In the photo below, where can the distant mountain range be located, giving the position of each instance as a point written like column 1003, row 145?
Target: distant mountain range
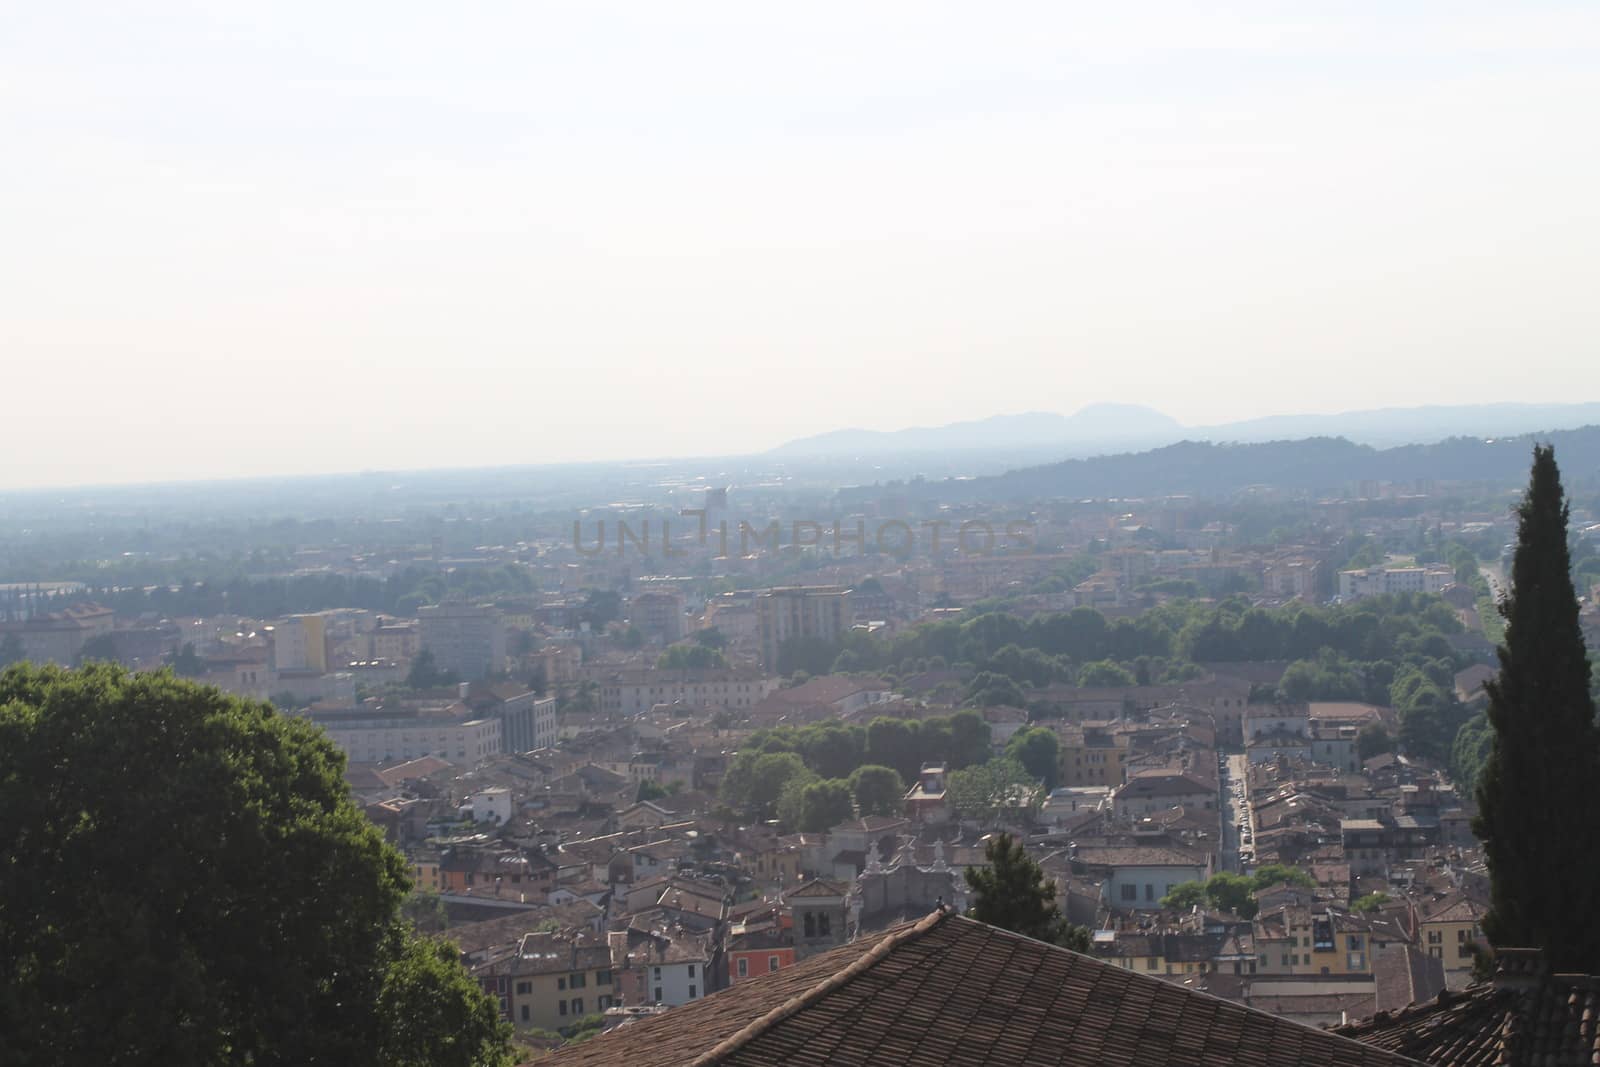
column 1104, row 428
column 1313, row 466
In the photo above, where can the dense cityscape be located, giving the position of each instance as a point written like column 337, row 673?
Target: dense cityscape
column 719, row 534
column 643, row 753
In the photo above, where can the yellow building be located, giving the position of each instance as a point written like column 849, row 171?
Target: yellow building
column 552, row 981
column 1091, row 756
column 1303, row 941
column 1447, row 929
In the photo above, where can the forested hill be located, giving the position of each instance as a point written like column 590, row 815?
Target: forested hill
column 1314, row 465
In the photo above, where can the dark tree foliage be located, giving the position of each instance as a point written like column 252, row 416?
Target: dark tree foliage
column 1539, row 808
column 426, row 674
column 186, row 880
column 1013, row 894
column 691, row 657
column 878, row 790
column 1037, row 749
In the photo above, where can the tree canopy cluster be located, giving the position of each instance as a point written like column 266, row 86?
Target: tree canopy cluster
column 272, row 597
column 188, row 881
column 1235, row 893
column 798, row 775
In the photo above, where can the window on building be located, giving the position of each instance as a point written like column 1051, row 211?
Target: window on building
column 1149, row 891
column 772, row 963
column 691, row 992
column 524, row 988
column 561, row 983
column 602, row 977
column 822, row 925
column 524, row 1013
column 811, row 925
column 1130, row 892
column 658, row 994
column 1151, row 963
column 691, row 970
column 579, row 981
column 561, row 1007
column 744, row 967
column 658, row 974
column 577, row 1005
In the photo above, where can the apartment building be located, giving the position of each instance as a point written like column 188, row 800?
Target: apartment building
column 819, row 611
column 465, row 638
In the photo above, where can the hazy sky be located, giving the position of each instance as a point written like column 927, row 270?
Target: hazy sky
column 339, row 236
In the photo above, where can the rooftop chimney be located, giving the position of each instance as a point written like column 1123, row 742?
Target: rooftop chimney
column 1518, row 969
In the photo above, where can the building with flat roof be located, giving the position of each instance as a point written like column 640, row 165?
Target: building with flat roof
column 819, row 611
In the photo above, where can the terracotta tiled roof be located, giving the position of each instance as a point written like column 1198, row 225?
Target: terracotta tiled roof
column 1524, row 1017
column 949, row 990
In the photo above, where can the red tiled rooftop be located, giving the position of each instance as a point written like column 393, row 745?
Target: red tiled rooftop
column 950, row 990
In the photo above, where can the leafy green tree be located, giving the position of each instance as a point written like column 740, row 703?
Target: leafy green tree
column 1104, row 674
column 1469, row 751
column 790, row 807
column 1232, row 892
column 1235, row 892
column 1279, row 874
column 1330, row 676
column 1373, row 740
column 712, row 637
column 991, row 690
column 985, row 792
column 1370, row 902
column 691, row 657
column 1536, row 793
column 221, row 823
column 878, row 790
column 968, row 741
column 770, row 773
column 632, row 638
column 424, row 910
column 831, row 749
column 434, row 1014
column 1013, row 894
column 895, row 743
column 824, row 805
column 1186, row 896
column 1038, row 750
column 649, row 790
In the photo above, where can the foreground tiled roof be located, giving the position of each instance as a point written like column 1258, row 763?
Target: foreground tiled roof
column 1524, row 1017
column 949, row 990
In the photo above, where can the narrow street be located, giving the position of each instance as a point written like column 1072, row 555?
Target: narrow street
column 1235, row 816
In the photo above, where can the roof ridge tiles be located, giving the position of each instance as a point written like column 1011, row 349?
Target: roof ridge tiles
column 866, row 961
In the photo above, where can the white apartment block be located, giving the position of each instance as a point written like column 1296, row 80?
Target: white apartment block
column 377, row 737
column 634, row 692
column 1376, row 581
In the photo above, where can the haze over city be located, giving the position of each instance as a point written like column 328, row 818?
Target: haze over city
column 566, row 535
column 302, row 239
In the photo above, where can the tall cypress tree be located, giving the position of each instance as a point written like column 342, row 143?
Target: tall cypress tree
column 1539, row 791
